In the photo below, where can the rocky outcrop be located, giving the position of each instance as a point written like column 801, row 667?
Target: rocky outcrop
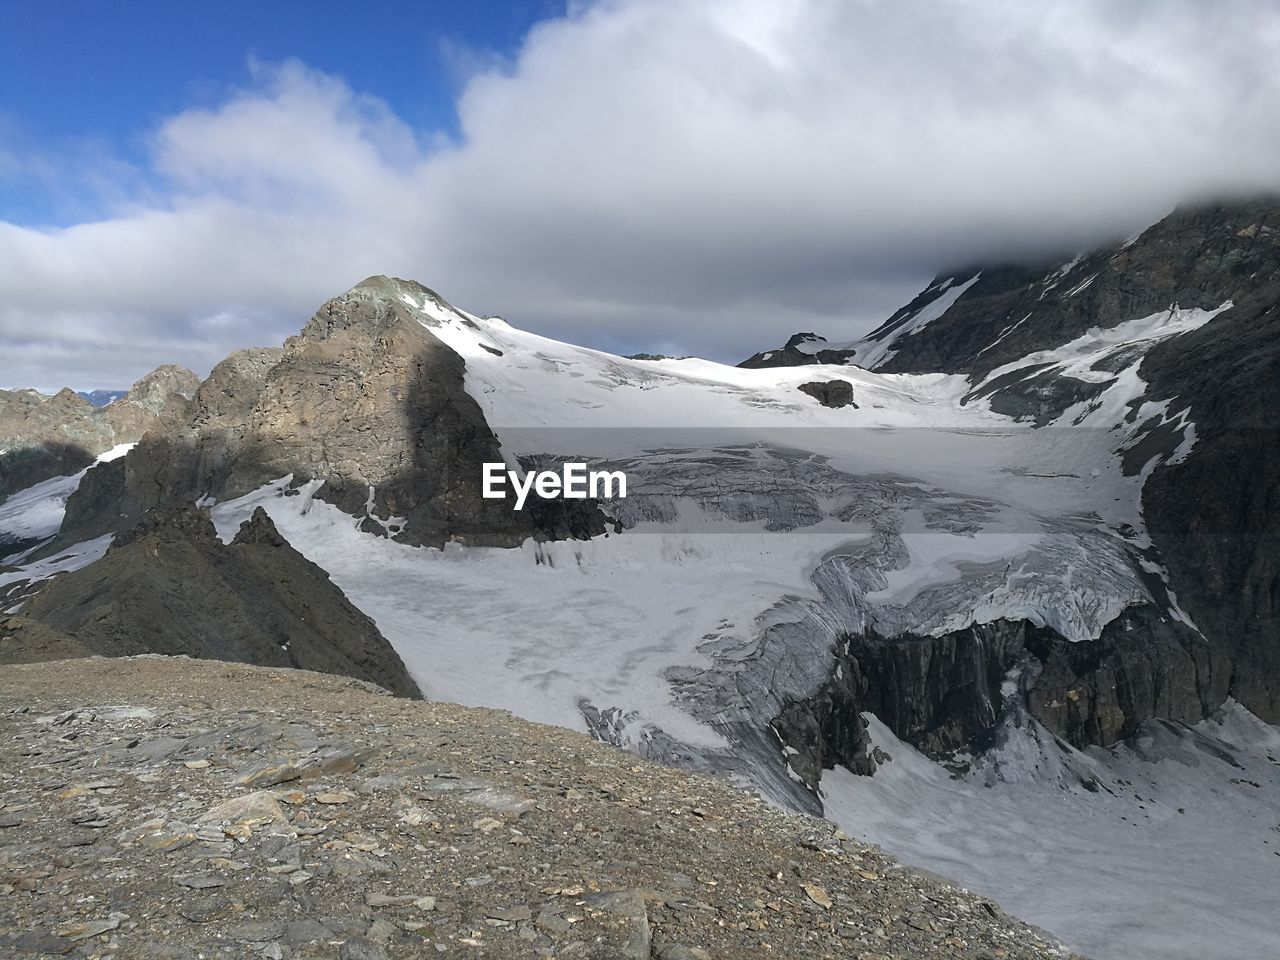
column 945, row 694
column 830, row 393
column 170, row 586
column 201, row 809
column 43, row 437
column 801, row 349
column 365, row 399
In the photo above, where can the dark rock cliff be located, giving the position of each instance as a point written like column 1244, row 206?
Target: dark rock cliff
column 945, row 694
column 170, row 586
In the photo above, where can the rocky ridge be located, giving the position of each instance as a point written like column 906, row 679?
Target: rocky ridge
column 42, row 437
column 161, row 808
column 170, row 586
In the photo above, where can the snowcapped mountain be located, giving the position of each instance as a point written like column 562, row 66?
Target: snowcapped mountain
column 101, row 398
column 1012, row 554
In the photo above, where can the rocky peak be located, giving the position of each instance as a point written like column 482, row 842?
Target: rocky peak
column 68, row 400
column 259, row 529
column 1197, row 257
column 373, row 303
column 155, row 388
column 798, row 338
column 43, row 437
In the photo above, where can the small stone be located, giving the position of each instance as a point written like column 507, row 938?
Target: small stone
column 167, row 842
column 343, row 761
column 817, row 895
column 43, row 944
column 552, row 923
column 382, row 930
column 306, row 931
column 385, row 900
column 257, row 931
column 269, row 775
column 358, row 948
column 334, row 798
column 91, row 928
column 201, row 883
column 246, row 812
column 207, row 909
column 509, row 914
column 197, row 764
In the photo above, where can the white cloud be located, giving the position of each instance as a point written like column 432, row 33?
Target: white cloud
column 664, row 174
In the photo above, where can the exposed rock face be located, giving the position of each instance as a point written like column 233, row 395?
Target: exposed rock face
column 945, row 693
column 42, row 437
column 170, row 586
column 1215, row 516
column 830, row 393
column 365, row 399
column 791, row 353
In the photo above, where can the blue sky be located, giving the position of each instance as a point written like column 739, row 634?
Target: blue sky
column 81, row 79
column 180, row 179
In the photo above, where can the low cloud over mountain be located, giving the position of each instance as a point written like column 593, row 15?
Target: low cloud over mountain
column 686, row 178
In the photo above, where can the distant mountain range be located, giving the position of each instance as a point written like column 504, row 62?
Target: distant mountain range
column 100, row 398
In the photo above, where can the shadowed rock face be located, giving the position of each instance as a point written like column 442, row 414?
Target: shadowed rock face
column 170, row 586
column 1215, row 517
column 945, row 693
column 365, row 399
column 43, row 437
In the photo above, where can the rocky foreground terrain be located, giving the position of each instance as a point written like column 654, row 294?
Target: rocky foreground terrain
column 168, row 808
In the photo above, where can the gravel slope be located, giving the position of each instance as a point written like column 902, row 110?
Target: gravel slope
column 169, row 808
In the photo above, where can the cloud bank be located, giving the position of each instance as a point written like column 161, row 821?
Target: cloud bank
column 660, row 175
